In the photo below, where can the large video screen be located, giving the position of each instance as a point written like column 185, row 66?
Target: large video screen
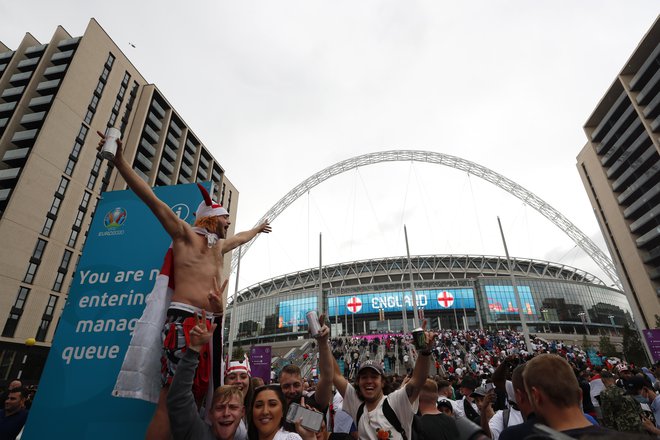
column 292, row 313
column 502, row 299
column 429, row 299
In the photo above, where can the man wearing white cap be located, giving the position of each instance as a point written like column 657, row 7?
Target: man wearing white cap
column 196, row 257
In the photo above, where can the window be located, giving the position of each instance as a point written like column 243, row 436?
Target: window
column 127, row 78
column 99, row 88
column 16, row 312
column 7, row 358
column 89, row 116
column 229, row 201
column 48, row 226
column 85, row 200
column 104, row 75
column 94, row 174
column 46, row 318
column 70, row 165
column 72, row 238
column 30, row 273
column 61, row 189
column 110, row 61
column 39, row 250
column 112, row 120
column 94, row 103
column 57, row 285
column 55, row 206
column 82, row 134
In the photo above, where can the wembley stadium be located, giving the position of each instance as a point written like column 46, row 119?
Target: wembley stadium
column 451, row 291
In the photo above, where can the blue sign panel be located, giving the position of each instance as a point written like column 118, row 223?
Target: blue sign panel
column 502, row 299
column 121, row 259
column 431, row 299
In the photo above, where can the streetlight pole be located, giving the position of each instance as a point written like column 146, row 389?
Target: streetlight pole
column 523, row 320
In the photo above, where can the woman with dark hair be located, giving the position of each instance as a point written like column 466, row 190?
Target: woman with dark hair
column 266, row 416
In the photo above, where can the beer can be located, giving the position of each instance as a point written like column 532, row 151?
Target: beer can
column 110, row 146
column 419, row 339
column 313, row 323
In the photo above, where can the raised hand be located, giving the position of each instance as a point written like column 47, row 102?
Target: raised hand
column 102, row 141
column 215, row 296
column 264, row 227
column 201, row 333
column 324, row 332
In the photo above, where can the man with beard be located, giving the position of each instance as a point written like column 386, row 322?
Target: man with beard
column 196, row 256
column 378, row 416
column 226, row 409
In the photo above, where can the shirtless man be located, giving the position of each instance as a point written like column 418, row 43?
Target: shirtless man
column 197, row 262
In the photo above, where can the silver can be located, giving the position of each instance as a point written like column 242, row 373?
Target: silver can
column 313, row 323
column 110, row 146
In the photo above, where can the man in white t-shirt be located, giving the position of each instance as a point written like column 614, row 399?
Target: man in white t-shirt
column 366, row 403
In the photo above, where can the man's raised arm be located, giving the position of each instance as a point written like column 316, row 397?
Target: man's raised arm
column 170, row 221
column 422, row 365
column 328, row 365
column 326, row 371
column 245, row 236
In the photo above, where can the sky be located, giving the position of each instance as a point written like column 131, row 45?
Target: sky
column 279, row 90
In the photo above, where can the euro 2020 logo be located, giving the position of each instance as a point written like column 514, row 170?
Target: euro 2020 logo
column 115, row 218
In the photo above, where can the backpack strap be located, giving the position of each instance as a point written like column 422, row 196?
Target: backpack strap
column 360, row 411
column 391, row 417
column 505, row 417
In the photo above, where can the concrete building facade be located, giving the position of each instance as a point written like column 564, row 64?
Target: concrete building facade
column 54, row 96
column 620, row 170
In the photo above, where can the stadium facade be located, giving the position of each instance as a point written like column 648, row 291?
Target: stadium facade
column 452, row 291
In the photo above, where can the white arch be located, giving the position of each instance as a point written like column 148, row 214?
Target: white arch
column 458, row 163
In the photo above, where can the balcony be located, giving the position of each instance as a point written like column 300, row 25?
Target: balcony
column 175, row 129
column 201, row 173
column 61, row 57
column 16, row 156
column 204, row 162
column 151, row 135
column 55, row 71
column 4, row 194
column 69, row 43
column 186, row 170
column 190, row 145
column 172, row 140
column 25, row 137
column 9, row 175
column 154, row 122
column 3, row 123
column 157, row 109
column 48, row 87
column 649, row 238
column 164, row 164
column 6, row 56
column 27, row 64
column 188, row 157
column 143, row 162
column 20, row 79
column 35, row 51
column 167, row 151
column 7, row 108
column 182, row 179
column 33, row 120
column 41, row 102
column 12, row 93
column 163, row 179
column 146, row 146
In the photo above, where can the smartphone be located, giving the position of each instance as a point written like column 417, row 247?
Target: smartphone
column 311, row 420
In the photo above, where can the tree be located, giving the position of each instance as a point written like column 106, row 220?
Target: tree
column 633, row 350
column 606, row 347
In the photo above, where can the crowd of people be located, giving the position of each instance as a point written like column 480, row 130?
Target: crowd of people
column 487, row 385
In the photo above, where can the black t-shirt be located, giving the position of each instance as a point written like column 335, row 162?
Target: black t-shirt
column 438, row 427
column 517, row 432
column 592, row 431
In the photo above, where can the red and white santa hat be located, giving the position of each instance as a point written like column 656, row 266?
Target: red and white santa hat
column 208, row 207
column 238, row 367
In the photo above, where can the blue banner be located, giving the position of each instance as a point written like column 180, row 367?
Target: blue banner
column 120, row 261
column 431, row 299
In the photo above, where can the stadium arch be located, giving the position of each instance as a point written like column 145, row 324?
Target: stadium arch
column 544, row 208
